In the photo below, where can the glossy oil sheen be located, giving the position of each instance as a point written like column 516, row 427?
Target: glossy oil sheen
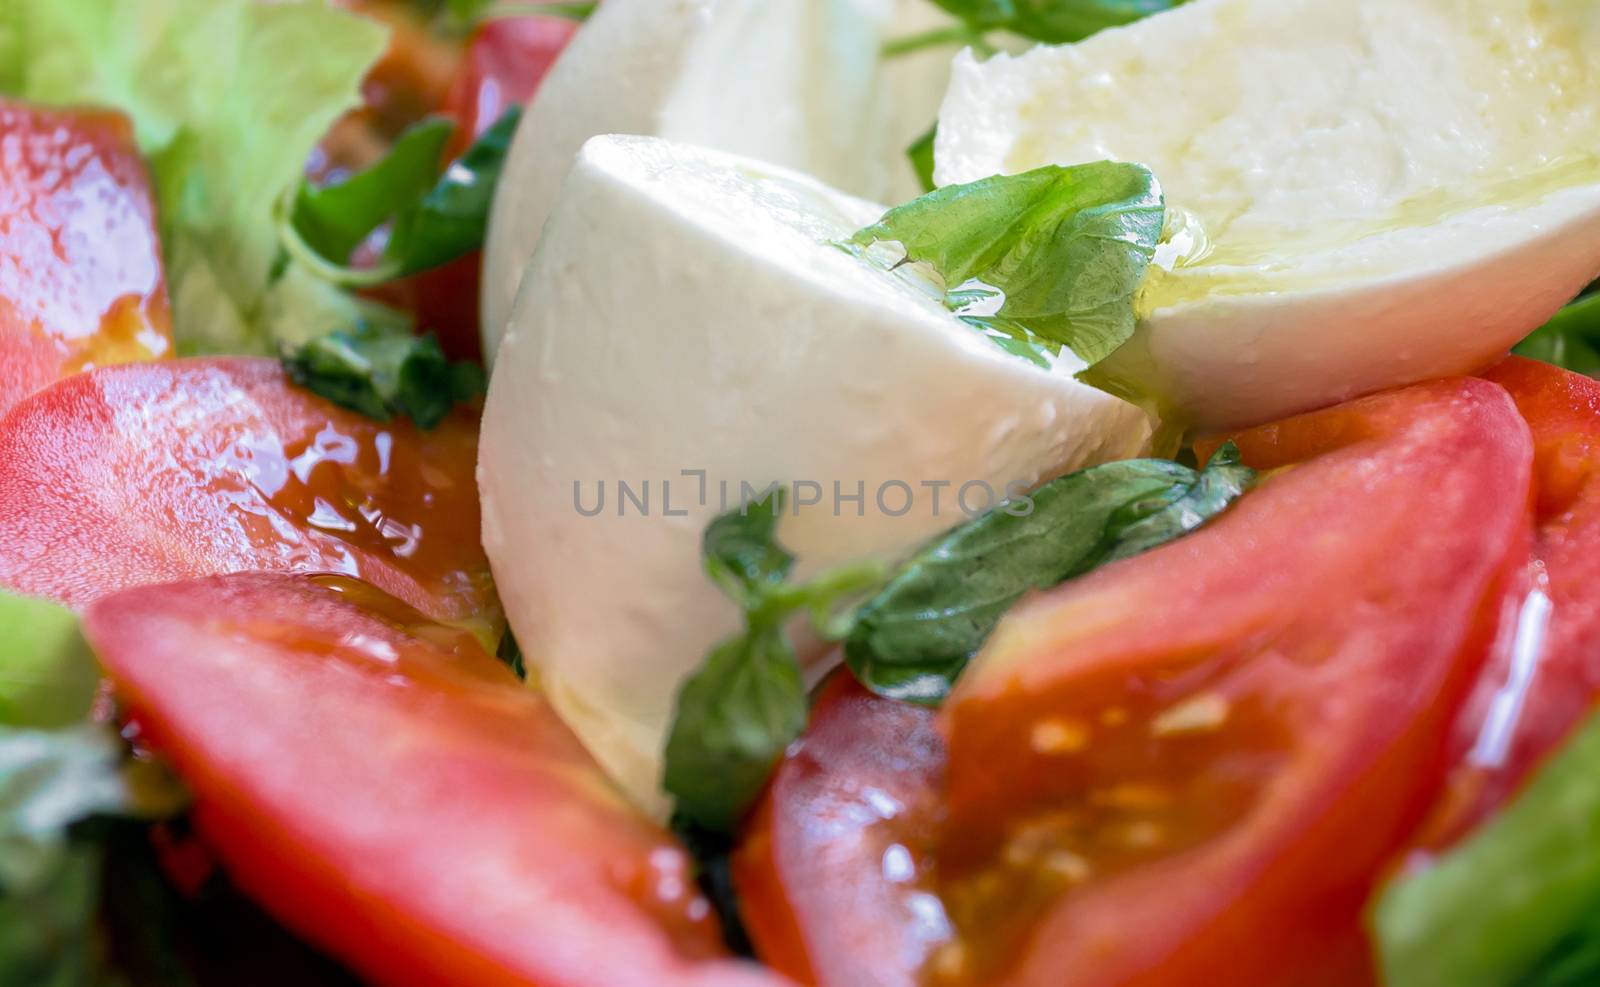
column 156, row 472
column 81, row 281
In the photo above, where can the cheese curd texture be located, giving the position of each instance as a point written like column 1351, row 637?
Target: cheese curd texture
column 1374, row 191
column 686, row 327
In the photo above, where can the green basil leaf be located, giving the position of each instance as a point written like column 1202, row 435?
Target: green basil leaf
column 913, row 639
column 742, row 554
column 382, row 373
column 1571, row 339
column 1519, row 902
column 734, row 718
column 920, row 154
column 1053, row 21
column 334, row 219
column 452, row 219
column 1065, row 247
column 49, row 933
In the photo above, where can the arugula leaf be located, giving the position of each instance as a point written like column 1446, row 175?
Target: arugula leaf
column 227, row 107
column 1065, row 248
column 1540, row 926
column 921, row 155
column 1053, row 21
column 382, row 373
column 436, row 217
column 48, row 675
column 1571, row 339
column 748, row 701
column 912, row 640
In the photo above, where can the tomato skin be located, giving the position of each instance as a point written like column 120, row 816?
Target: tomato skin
column 394, row 794
column 81, row 280
column 1341, row 660
column 507, row 58
column 856, row 794
column 152, row 472
column 1518, row 716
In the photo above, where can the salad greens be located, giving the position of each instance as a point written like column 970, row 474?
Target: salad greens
column 912, row 640
column 225, row 128
column 1540, row 858
column 438, row 212
column 920, row 154
column 59, row 772
column 1062, row 249
column 747, row 703
column 1572, row 338
column 382, row 372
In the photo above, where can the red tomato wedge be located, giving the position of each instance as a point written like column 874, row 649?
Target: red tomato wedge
column 828, row 869
column 395, row 795
column 506, row 60
column 154, row 472
column 1189, row 767
column 81, row 282
column 1545, row 675
column 1192, row 766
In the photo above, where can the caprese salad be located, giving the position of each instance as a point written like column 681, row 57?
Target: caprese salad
column 861, row 493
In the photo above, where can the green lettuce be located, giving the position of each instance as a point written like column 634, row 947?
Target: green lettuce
column 228, row 99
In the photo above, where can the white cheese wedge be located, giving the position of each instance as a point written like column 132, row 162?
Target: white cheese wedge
column 686, row 328
column 798, row 83
column 1376, row 191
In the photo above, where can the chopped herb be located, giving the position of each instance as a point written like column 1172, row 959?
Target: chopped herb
column 382, row 373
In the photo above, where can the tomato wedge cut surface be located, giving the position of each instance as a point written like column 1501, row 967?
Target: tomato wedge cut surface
column 81, row 281
column 154, row 472
column 828, row 870
column 1192, row 766
column 1545, row 676
column 394, row 794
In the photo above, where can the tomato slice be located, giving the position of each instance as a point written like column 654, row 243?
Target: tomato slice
column 828, row 870
column 81, row 282
column 391, row 792
column 506, row 60
column 1544, row 678
column 1189, row 767
column 153, row 472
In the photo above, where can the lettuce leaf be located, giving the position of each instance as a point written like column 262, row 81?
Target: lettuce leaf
column 228, row 98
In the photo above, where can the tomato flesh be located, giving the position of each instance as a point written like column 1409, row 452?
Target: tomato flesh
column 828, row 873
column 392, row 793
column 1190, row 767
column 1544, row 678
column 81, row 281
column 154, row 472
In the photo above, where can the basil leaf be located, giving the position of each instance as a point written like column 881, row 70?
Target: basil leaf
column 1053, row 21
column 1571, row 339
column 1065, row 247
column 334, row 220
column 748, row 702
column 742, row 555
column 912, row 640
column 383, row 373
column 734, row 719
column 1519, row 902
column 452, row 219
column 510, row 654
column 49, row 933
column 920, row 154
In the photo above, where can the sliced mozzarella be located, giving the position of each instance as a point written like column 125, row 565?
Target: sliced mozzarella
column 1376, row 191
column 685, row 326
column 798, row 83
